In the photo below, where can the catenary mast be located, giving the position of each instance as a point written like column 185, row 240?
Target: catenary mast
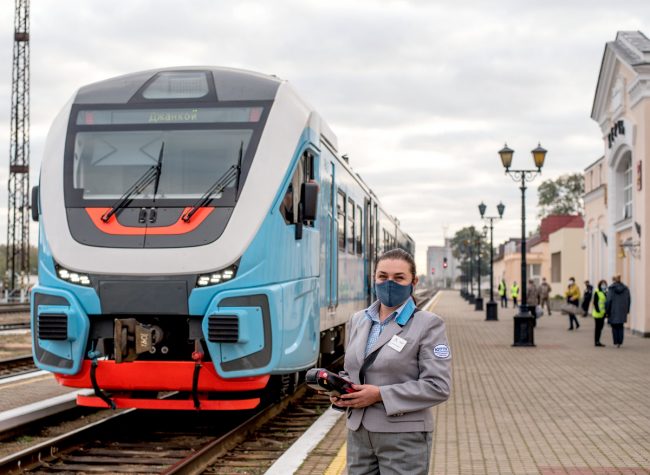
column 18, row 203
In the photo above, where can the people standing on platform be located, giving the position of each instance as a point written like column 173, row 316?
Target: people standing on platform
column 532, row 297
column 617, row 307
column 502, row 293
column 572, row 295
column 399, row 360
column 586, row 299
column 600, row 298
column 514, row 293
column 545, row 295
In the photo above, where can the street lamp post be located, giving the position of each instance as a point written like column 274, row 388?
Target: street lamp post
column 491, row 306
column 478, row 301
column 465, row 287
column 524, row 321
column 471, row 298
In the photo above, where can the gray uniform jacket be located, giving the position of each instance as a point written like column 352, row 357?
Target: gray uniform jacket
column 411, row 381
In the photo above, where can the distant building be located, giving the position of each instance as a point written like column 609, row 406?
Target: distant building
column 555, row 252
column 437, row 275
column 616, row 192
column 507, row 263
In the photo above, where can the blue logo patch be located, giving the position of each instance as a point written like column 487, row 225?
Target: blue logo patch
column 441, row 351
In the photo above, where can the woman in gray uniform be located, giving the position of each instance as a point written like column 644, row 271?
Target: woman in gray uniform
column 398, row 357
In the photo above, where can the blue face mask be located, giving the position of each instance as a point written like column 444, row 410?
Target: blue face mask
column 392, row 294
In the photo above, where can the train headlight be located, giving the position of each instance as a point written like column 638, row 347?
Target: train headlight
column 72, row 277
column 218, row 277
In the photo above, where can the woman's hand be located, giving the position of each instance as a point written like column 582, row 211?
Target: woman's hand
column 335, row 400
column 365, row 395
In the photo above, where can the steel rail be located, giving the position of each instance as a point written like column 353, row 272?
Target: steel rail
column 211, row 452
column 14, row 326
column 14, row 308
column 33, row 456
column 24, row 363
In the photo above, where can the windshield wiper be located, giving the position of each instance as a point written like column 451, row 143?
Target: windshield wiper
column 218, row 186
column 159, row 166
column 222, row 182
column 153, row 173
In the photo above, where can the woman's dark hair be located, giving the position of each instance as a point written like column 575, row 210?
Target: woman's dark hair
column 399, row 255
column 602, row 282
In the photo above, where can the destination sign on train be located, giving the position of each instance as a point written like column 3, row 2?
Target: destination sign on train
column 169, row 116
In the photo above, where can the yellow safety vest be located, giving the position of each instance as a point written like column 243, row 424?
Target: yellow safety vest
column 502, row 289
column 514, row 291
column 601, row 297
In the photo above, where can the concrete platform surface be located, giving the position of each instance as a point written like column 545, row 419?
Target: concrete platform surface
column 562, row 407
column 28, row 390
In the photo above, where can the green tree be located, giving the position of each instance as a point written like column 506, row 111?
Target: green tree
column 464, row 246
column 562, row 195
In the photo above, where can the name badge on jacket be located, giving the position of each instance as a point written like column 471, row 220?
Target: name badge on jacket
column 397, row 343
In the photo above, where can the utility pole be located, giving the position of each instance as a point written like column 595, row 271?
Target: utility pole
column 18, row 186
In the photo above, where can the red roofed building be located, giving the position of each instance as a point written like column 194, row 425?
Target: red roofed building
column 556, row 252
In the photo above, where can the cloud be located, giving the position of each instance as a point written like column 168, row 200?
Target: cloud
column 422, row 95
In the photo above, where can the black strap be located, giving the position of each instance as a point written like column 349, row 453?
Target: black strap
column 370, row 359
column 98, row 392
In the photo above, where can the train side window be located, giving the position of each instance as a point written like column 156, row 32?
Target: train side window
column 304, row 173
column 350, row 228
column 357, row 229
column 340, row 219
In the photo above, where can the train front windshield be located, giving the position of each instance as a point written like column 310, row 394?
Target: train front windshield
column 110, row 149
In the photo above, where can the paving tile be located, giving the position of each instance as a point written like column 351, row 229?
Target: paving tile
column 562, row 407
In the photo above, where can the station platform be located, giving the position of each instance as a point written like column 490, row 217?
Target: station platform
column 29, row 389
column 561, row 407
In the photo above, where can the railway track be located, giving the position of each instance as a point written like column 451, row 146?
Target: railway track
column 156, row 442
column 14, row 308
column 11, row 326
column 15, row 366
column 176, row 442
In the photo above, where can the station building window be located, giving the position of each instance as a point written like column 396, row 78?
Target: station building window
column 627, row 187
column 556, row 267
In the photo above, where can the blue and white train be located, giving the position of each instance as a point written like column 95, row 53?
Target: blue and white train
column 200, row 235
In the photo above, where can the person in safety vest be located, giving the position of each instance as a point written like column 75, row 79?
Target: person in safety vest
column 514, row 293
column 600, row 297
column 502, row 294
column 572, row 295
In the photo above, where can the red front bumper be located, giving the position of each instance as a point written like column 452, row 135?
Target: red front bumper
column 127, row 378
column 158, row 376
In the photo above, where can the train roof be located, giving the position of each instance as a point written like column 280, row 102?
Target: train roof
column 228, row 84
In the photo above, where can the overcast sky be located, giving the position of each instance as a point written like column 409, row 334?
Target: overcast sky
column 421, row 94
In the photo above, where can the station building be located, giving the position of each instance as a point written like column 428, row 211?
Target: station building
column 617, row 212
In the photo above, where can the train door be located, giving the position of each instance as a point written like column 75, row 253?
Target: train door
column 369, row 251
column 332, row 260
